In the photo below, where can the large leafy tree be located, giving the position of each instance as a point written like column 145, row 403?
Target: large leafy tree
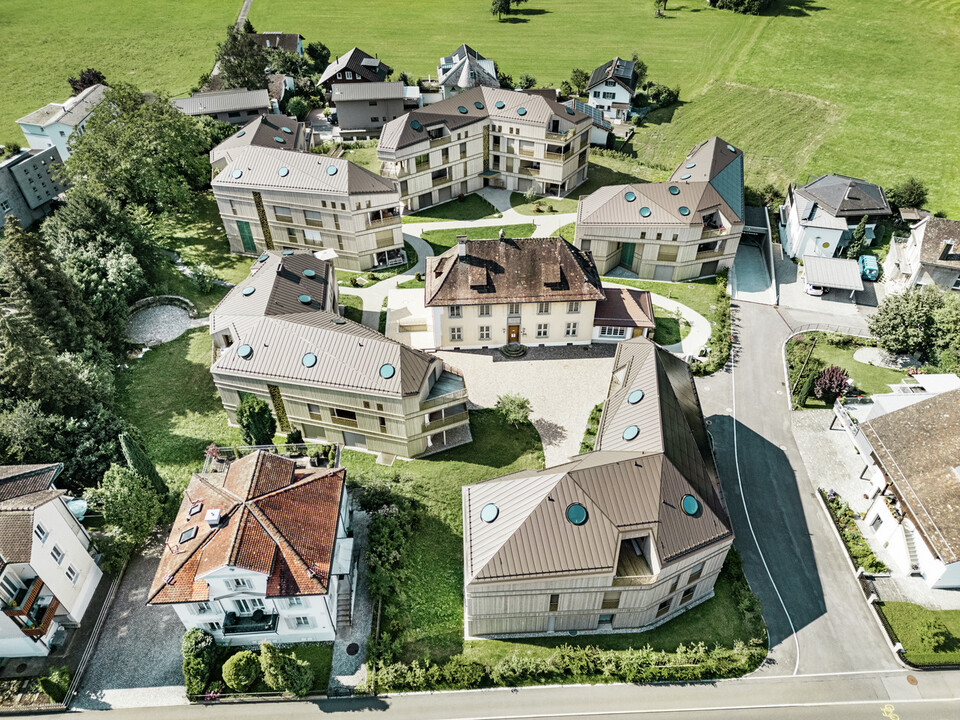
column 910, row 193
column 242, row 62
column 140, row 150
column 319, row 55
column 128, row 503
column 287, row 63
column 579, row 79
column 256, row 421
column 904, row 323
column 86, row 78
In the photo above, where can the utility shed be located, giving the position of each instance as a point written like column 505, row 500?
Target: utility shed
column 832, row 273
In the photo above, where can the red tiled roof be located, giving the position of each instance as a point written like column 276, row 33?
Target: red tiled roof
column 17, row 480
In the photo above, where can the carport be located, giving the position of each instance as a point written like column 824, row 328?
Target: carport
column 835, row 273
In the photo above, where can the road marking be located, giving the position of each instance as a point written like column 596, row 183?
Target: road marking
column 743, row 500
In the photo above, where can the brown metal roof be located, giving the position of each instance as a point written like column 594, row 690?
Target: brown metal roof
column 609, row 205
column 941, row 242
column 708, row 158
column 625, row 307
column 512, row 270
column 364, row 66
column 261, row 132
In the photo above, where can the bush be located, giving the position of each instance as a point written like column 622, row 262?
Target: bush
column 298, row 106
column 196, row 674
column 256, row 420
column 205, row 277
column 831, row 383
column 663, row 96
column 55, row 685
column 463, row 673
column 515, row 409
column 721, row 342
column 285, row 673
column 933, row 635
column 518, row 669
column 910, row 193
column 271, row 663
column 198, row 643
column 531, row 194
column 242, row 670
column 295, row 437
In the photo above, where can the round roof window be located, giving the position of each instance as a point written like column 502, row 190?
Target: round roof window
column 521, row 111
column 630, row 196
column 387, row 371
column 826, row 244
column 309, row 360
column 241, row 133
column 674, row 190
column 462, row 110
column 416, row 125
column 331, row 170
column 309, row 273
column 305, row 299
column 685, row 176
column 238, row 173
column 630, row 432
column 500, row 104
column 283, row 172
column 489, row 513
column 279, row 139
column 731, row 148
column 245, row 351
column 684, row 210
column 570, row 111
column 249, row 290
column 576, row 514
column 288, row 251
column 635, row 397
column 287, row 130
column 691, row 166
column 478, row 105
column 645, row 211
column 690, row 505
column 263, row 257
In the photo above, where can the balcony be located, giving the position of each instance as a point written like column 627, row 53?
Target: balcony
column 559, row 156
column 394, row 171
column 632, row 567
column 560, row 137
column 441, row 180
column 25, row 598
column 383, row 222
column 234, row 624
column 528, row 170
column 448, row 389
column 437, row 142
column 709, row 254
column 523, row 152
column 344, row 422
column 714, row 232
column 40, row 619
column 446, row 421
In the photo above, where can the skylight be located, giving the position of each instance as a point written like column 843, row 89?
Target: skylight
column 645, row 211
column 684, row 210
column 630, row 432
column 635, row 397
column 309, row 360
column 249, row 290
column 489, row 513
column 237, row 174
column 331, row 170
column 283, row 172
column 630, row 196
column 690, row 505
column 188, row 534
column 245, row 351
column 577, row 514
column 387, row 371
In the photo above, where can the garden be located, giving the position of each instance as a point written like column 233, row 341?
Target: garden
column 929, row 637
column 466, row 208
column 845, row 520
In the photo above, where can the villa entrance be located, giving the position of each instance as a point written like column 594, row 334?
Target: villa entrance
column 513, row 333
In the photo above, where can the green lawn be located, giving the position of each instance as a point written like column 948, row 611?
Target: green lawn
column 441, row 240
column 602, row 171
column 868, row 379
column 411, row 284
column 345, row 276
column 696, row 294
column 567, row 231
column 471, row 207
column 162, row 45
column 670, row 329
column 352, row 307
column 906, row 620
column 365, row 156
column 806, row 88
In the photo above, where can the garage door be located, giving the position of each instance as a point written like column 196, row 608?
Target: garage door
column 663, row 273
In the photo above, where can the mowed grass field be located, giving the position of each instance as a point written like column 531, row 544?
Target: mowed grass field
column 157, row 45
column 849, row 86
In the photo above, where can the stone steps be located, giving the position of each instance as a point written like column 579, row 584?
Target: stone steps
column 513, row 350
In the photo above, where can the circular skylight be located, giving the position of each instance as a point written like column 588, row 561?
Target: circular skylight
column 387, row 371
column 635, row 397
column 245, row 351
column 630, row 196
column 309, row 273
column 462, row 110
column 263, row 257
column 309, row 360
column 645, row 211
column 684, row 210
column 576, row 514
column 416, row 125
column 521, row 111
column 731, row 148
column 690, row 505
column 478, row 105
column 238, row 173
column 674, row 190
column 630, row 432
column 691, row 166
column 685, row 176
column 241, row 133
column 305, row 299
column 287, row 130
column 570, row 111
column 331, row 170
column 288, row 251
column 249, row 290
column 500, row 104
column 489, row 513
column 279, row 139
column 283, row 172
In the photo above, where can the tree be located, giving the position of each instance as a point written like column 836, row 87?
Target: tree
column 198, row 648
column 515, row 409
column 856, row 242
column 138, row 461
column 282, row 62
column 256, row 420
column 285, row 672
column 128, row 503
column 248, row 27
column 904, row 323
column 242, row 670
column 831, row 383
column 640, row 68
column 9, row 150
column 663, row 96
column 298, row 106
column 932, row 634
column 579, row 79
column 405, row 78
column 242, row 62
column 525, row 82
column 660, row 7
column 319, row 55
column 500, row 8
column 505, row 80
column 911, row 193
column 86, row 78
column 271, row 663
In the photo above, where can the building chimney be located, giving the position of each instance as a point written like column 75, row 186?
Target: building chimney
column 213, row 517
column 462, row 245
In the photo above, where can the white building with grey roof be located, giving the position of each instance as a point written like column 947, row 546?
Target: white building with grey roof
column 625, row 537
column 463, row 69
column 236, row 106
column 277, row 335
column 54, row 124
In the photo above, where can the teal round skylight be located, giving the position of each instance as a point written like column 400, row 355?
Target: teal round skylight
column 645, row 211
column 500, row 105
column 691, row 166
column 416, row 125
column 288, row 251
column 287, row 130
column 309, row 273
column 690, row 505
column 489, row 513
column 570, row 111
column 731, row 148
column 279, row 139
column 478, row 105
column 309, row 360
column 630, row 432
column 241, row 133
column 576, row 514
column 283, row 172
column 521, row 111
column 331, row 170
column 305, row 299
column 684, row 210
column 387, row 371
column 685, row 176
column 263, row 257
column 674, row 190
column 249, row 290
column 630, row 196
column 462, row 110
column 238, row 173
column 245, row 351
column 635, row 397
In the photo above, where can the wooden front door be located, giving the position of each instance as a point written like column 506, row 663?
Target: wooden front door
column 513, row 333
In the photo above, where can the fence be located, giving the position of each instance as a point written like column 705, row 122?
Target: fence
column 221, row 459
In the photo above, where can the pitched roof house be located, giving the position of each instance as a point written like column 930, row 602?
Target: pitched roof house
column 931, row 255
column 611, row 88
column 48, row 573
column 259, row 552
column 237, row 106
column 627, row 536
column 288, row 42
column 355, row 66
column 54, row 123
column 465, row 68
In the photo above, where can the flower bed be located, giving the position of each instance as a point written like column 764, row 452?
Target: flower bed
column 857, row 547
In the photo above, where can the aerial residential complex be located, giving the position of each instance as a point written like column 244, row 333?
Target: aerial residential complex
column 485, row 137
column 628, row 536
column 687, row 227
column 277, row 335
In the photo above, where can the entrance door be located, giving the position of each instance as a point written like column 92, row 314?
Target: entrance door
column 246, row 237
column 626, row 255
column 513, row 333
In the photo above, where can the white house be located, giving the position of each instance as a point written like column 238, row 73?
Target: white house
column 930, row 256
column 465, row 68
column 260, row 552
column 819, row 218
column 611, row 88
column 53, row 124
column 47, row 570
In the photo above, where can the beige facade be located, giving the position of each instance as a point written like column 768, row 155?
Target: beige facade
column 536, row 323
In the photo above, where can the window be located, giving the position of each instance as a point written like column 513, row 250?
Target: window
column 366, row 404
column 239, row 584
column 695, row 573
column 233, row 114
column 609, row 96
column 295, row 602
column 57, row 554
column 202, row 607
column 314, row 411
column 380, row 407
column 233, row 207
column 10, row 586
column 554, row 603
column 213, row 626
column 456, row 311
column 4, row 206
column 312, row 218
column 339, row 76
column 877, row 522
column 282, row 214
column 573, row 307
column 302, row 621
column 611, row 601
column 41, row 532
column 571, row 330
column 372, row 103
column 383, row 424
column 663, row 608
column 337, row 413
column 456, row 334
column 613, row 332
column 292, row 235
column 483, row 332
column 675, row 237
column 349, row 75
column 542, row 330
column 484, row 311
column 688, row 595
column 543, row 308
column 956, row 284
column 513, row 309
column 673, row 585
column 596, row 93
column 643, row 236
column 248, row 605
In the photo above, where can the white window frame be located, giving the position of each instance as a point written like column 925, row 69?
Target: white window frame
column 456, row 334
column 456, row 311
column 483, row 332
column 295, row 602
column 215, row 626
column 573, row 307
column 612, row 332
column 240, row 584
column 302, row 621
column 543, row 330
column 41, row 533
column 487, row 311
column 513, row 308
column 54, row 552
column 72, row 574
column 571, row 330
column 543, row 308
column 277, row 212
column 202, row 608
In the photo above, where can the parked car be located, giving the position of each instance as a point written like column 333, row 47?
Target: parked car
column 869, row 270
column 815, row 290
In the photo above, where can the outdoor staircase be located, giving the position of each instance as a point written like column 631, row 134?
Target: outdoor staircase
column 513, row 350
column 344, row 619
column 911, row 543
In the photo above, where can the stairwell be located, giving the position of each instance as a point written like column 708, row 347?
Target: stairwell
column 344, row 619
column 911, row 544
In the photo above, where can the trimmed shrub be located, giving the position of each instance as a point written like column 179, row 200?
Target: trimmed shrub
column 463, row 673
column 933, row 635
column 55, row 685
column 198, row 643
column 519, row 669
column 831, row 383
column 242, row 670
column 196, row 674
column 298, row 676
column 294, row 437
column 271, row 663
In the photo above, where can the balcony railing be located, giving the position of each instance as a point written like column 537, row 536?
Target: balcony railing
column 707, row 254
column 42, row 623
column 559, row 136
column 559, row 156
column 234, row 624
column 345, row 422
column 441, row 180
column 446, row 421
column 393, row 171
column 383, row 222
column 531, row 171
column 714, row 232
column 448, row 389
column 437, row 142
column 525, row 152
column 25, row 598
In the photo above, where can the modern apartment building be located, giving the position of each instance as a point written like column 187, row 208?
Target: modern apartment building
column 278, row 336
column 48, row 573
column 626, row 537
column 364, row 108
column 687, row 227
column 53, row 124
column 29, row 185
column 270, row 198
column 485, row 136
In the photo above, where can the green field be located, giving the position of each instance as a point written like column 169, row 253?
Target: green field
column 848, row 86
column 159, row 45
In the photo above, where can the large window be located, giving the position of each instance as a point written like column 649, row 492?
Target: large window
column 571, row 330
column 240, row 584
column 456, row 334
column 312, row 237
column 613, row 332
column 456, row 311
column 282, row 214
column 695, row 573
column 663, row 608
column 484, row 310
column 573, row 307
column 483, row 332
column 313, row 218
column 315, row 412
column 688, row 595
column 543, row 308
column 246, row 606
column 542, row 330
